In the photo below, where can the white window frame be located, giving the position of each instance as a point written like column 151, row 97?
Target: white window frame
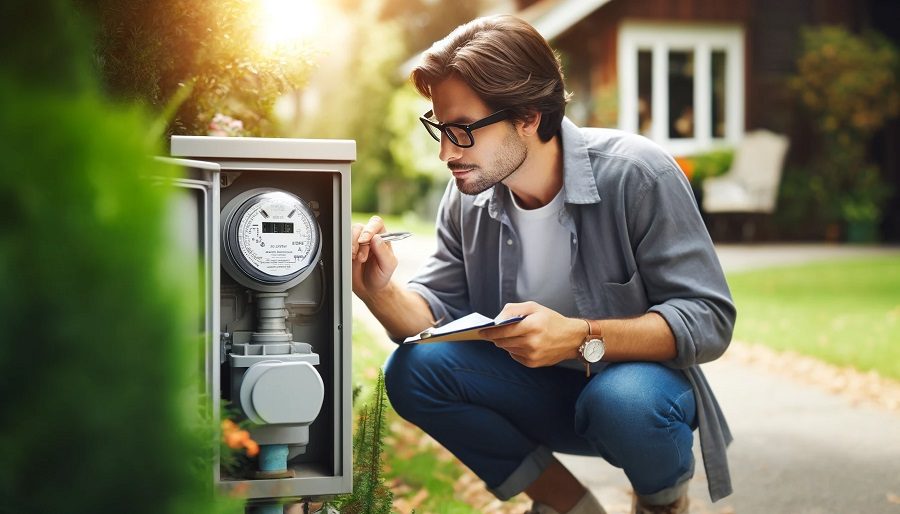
column 660, row 38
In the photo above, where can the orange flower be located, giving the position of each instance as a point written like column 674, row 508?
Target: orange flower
column 235, row 438
column 252, row 447
column 687, row 166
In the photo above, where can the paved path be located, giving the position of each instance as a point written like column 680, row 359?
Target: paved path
column 797, row 449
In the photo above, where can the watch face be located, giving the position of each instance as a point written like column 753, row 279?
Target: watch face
column 593, row 350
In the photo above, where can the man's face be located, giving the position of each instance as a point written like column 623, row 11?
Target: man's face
column 498, row 151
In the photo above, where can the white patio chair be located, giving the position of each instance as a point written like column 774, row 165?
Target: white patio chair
column 751, row 185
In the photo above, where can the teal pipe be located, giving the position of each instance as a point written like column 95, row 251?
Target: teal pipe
column 273, row 457
column 269, row 508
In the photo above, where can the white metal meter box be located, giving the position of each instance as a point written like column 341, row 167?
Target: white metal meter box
column 272, row 228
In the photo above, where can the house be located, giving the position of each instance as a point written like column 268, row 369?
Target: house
column 694, row 75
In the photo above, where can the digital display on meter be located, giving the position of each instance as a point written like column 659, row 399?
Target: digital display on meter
column 269, row 238
column 272, row 227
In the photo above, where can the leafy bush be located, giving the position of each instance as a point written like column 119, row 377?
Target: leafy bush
column 851, row 86
column 100, row 409
column 95, row 354
column 711, row 164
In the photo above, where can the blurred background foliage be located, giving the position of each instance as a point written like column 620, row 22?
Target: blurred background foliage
column 849, row 84
column 361, row 92
column 100, row 358
column 189, row 62
column 196, row 59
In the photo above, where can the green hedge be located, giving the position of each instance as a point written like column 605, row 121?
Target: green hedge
column 97, row 363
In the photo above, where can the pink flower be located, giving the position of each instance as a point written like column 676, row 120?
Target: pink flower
column 225, row 126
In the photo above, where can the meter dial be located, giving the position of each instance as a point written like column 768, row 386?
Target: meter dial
column 270, row 239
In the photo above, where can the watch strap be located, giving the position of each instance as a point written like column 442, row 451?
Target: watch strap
column 587, row 365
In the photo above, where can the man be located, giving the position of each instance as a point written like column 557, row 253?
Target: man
column 592, row 235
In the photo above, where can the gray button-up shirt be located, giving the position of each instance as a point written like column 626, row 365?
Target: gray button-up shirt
column 638, row 244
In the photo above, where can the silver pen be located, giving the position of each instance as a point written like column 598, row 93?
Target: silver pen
column 391, row 236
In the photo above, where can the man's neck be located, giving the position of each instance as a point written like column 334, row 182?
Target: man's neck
column 540, row 177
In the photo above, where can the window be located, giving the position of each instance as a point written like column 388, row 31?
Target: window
column 682, row 85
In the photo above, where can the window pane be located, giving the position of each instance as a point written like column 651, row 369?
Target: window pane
column 681, row 94
column 718, row 93
column 645, row 92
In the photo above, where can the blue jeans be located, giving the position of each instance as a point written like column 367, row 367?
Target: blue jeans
column 503, row 420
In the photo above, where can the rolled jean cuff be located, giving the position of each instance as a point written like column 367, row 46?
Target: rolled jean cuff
column 527, row 472
column 669, row 494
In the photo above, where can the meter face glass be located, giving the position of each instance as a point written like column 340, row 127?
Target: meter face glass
column 277, row 234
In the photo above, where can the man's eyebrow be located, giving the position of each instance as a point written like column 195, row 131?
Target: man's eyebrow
column 464, row 120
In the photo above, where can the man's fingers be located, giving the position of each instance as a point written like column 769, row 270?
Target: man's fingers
column 361, row 239
column 383, row 252
column 355, row 230
column 503, row 332
column 512, row 310
column 374, row 226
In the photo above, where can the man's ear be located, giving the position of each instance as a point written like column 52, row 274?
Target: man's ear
column 529, row 126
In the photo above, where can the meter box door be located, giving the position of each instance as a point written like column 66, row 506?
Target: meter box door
column 192, row 222
column 281, row 349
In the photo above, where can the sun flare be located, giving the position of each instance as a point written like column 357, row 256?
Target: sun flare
column 289, row 22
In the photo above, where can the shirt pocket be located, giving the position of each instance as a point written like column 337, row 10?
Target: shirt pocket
column 628, row 299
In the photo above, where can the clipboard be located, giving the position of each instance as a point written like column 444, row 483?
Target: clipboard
column 462, row 329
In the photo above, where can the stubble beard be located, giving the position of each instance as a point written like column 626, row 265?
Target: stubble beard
column 508, row 160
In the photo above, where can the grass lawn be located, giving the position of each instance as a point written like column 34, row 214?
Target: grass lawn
column 844, row 312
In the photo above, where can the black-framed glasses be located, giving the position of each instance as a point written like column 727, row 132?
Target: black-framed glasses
column 460, row 134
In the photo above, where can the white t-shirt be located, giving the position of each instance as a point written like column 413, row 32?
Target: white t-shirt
column 545, row 260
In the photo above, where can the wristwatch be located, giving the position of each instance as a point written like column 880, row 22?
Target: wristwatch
column 591, row 350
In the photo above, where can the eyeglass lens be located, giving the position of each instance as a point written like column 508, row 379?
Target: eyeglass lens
column 457, row 135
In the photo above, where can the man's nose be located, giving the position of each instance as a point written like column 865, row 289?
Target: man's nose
column 449, row 151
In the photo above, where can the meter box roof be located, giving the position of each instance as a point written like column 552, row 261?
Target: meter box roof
column 264, row 148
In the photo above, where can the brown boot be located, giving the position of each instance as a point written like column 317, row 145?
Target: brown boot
column 679, row 506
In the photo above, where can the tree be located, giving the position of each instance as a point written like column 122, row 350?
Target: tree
column 196, row 59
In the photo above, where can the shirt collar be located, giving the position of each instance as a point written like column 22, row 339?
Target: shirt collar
column 578, row 175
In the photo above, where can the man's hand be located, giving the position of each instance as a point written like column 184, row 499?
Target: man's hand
column 544, row 338
column 373, row 259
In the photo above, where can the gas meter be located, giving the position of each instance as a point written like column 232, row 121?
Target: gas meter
column 279, row 307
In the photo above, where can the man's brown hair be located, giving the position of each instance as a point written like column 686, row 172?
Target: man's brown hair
column 507, row 63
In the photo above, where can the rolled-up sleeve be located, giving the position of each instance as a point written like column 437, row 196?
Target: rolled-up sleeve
column 682, row 275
